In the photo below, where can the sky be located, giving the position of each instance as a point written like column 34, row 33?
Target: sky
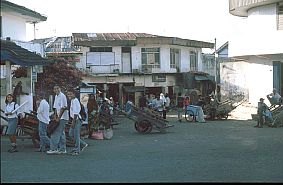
column 202, row 20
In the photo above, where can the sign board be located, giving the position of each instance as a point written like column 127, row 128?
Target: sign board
column 89, row 90
column 34, row 76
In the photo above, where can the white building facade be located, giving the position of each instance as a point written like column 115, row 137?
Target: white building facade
column 130, row 64
column 257, row 54
column 13, row 28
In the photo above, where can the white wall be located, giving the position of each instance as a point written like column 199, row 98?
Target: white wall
column 136, row 58
column 13, row 27
column 255, row 76
column 260, row 35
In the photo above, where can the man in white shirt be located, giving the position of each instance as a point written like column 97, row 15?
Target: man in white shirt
column 274, row 98
column 61, row 114
column 43, row 117
column 75, row 130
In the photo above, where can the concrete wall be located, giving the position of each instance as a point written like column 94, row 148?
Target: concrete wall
column 184, row 64
column 13, row 27
column 260, row 35
column 254, row 79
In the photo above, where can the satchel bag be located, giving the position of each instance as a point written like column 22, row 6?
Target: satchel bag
column 108, row 133
column 98, row 135
column 51, row 127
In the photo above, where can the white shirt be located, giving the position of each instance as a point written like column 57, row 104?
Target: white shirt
column 75, row 108
column 167, row 102
column 9, row 108
column 59, row 103
column 43, row 111
column 276, row 96
column 159, row 105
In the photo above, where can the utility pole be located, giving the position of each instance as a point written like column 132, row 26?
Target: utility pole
column 34, row 29
column 215, row 66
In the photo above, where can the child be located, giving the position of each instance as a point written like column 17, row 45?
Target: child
column 75, row 130
column 12, row 121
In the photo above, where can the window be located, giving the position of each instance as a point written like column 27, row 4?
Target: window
column 280, row 16
column 150, row 58
column 193, row 61
column 100, row 49
column 174, row 57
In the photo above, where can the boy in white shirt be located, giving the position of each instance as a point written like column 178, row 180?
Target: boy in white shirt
column 43, row 117
column 58, row 137
column 75, row 130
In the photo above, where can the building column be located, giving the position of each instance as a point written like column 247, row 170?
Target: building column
column 121, row 101
column 8, row 78
column 105, row 90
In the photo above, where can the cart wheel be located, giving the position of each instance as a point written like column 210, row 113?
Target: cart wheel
column 143, row 126
column 35, row 142
column 189, row 116
column 225, row 116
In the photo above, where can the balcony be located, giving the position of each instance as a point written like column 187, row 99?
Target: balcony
column 240, row 7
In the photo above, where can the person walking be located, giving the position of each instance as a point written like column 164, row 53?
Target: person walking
column 180, row 106
column 61, row 115
column 76, row 123
column 12, row 117
column 43, row 117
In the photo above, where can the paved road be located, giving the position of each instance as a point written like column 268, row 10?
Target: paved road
column 216, row 151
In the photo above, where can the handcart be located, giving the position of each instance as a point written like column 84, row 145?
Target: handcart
column 146, row 120
column 29, row 125
column 191, row 112
column 277, row 116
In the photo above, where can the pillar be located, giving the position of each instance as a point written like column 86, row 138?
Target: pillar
column 8, row 78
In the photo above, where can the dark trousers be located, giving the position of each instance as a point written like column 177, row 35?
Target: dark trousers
column 164, row 114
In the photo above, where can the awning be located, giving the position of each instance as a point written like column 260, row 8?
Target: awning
column 130, row 89
column 20, row 56
column 203, row 78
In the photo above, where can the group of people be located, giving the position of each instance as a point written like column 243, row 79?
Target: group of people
column 63, row 114
column 100, row 113
column 263, row 110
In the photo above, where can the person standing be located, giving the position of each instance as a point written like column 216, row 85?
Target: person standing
column 75, row 130
column 43, row 117
column 61, row 115
column 12, row 117
column 180, row 106
column 142, row 102
column 261, row 109
column 92, row 111
column 159, row 105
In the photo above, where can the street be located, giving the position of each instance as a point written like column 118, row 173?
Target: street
column 215, row 151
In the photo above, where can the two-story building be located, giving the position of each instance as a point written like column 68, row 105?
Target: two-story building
column 124, row 65
column 257, row 53
column 17, row 51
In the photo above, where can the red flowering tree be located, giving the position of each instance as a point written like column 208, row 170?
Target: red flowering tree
column 60, row 73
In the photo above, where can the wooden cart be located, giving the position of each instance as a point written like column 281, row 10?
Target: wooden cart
column 29, row 126
column 146, row 120
column 277, row 115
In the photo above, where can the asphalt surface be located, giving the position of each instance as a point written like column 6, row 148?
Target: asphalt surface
column 215, row 151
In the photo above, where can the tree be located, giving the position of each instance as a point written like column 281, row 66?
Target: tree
column 59, row 73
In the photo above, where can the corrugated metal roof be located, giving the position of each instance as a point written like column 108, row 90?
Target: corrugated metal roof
column 109, row 36
column 20, row 56
column 132, row 39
